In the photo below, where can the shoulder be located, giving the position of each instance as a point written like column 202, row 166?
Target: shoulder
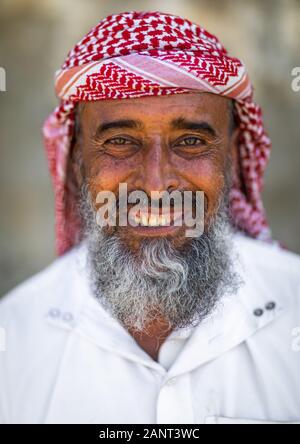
column 26, row 310
column 269, row 256
column 271, row 270
column 40, row 290
column 30, row 345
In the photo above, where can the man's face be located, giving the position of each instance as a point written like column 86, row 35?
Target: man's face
column 175, row 143
column 178, row 142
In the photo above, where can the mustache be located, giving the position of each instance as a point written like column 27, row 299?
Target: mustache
column 146, row 199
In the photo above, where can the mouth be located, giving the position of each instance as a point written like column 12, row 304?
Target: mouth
column 157, row 223
column 155, row 219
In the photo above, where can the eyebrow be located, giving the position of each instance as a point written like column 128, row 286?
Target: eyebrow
column 179, row 123
column 182, row 123
column 124, row 123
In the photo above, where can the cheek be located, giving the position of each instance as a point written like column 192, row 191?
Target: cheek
column 106, row 173
column 207, row 175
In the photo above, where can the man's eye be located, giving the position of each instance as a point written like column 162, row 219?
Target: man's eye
column 119, row 141
column 191, row 141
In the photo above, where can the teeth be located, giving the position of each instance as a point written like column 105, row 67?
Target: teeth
column 152, row 220
column 164, row 220
column 144, row 220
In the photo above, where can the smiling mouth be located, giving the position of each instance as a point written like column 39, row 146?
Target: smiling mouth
column 156, row 219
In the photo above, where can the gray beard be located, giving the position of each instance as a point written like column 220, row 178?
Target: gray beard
column 181, row 285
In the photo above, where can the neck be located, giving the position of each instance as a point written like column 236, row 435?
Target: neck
column 154, row 335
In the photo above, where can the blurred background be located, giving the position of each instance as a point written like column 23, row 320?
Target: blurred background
column 35, row 36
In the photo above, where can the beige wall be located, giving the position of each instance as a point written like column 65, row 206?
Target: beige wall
column 34, row 38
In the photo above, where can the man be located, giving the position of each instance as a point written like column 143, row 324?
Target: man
column 138, row 322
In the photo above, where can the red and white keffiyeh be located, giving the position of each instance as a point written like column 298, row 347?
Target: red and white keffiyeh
column 138, row 54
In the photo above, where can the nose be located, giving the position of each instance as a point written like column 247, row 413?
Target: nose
column 157, row 173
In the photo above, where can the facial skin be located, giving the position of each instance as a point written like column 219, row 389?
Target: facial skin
column 178, row 142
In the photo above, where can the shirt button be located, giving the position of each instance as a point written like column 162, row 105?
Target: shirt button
column 258, row 312
column 67, row 316
column 270, row 305
column 171, row 381
column 54, row 313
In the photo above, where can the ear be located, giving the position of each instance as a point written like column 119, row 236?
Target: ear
column 76, row 164
column 234, row 154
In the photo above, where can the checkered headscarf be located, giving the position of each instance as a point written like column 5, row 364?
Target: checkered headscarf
column 138, row 54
